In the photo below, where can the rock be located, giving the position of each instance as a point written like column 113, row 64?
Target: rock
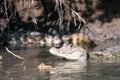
column 42, row 42
column 43, row 66
column 53, row 40
column 1, row 57
column 48, row 40
column 83, row 41
column 32, row 40
column 35, row 33
column 57, row 41
column 65, row 38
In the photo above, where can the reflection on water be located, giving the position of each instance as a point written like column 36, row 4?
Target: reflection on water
column 12, row 68
column 68, row 70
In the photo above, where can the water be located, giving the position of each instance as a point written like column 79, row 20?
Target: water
column 12, row 68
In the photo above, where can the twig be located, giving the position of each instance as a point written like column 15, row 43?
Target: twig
column 34, row 20
column 13, row 53
column 79, row 17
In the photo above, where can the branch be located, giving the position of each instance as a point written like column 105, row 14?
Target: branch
column 13, row 53
column 80, row 18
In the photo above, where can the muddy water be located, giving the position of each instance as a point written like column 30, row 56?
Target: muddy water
column 12, row 68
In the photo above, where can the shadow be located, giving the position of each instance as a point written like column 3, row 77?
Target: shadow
column 102, row 10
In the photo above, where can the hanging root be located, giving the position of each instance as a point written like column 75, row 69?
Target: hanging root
column 79, row 17
column 13, row 53
column 62, row 8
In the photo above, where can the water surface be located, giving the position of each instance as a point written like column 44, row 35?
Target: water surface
column 12, row 68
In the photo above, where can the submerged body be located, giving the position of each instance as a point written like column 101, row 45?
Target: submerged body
column 69, row 52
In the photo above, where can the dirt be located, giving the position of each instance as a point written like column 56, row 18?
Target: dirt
column 108, row 30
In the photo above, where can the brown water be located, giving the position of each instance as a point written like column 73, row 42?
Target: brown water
column 12, row 68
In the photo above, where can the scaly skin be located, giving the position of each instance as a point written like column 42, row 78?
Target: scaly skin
column 69, row 52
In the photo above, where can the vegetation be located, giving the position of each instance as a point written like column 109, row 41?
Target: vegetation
column 54, row 16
